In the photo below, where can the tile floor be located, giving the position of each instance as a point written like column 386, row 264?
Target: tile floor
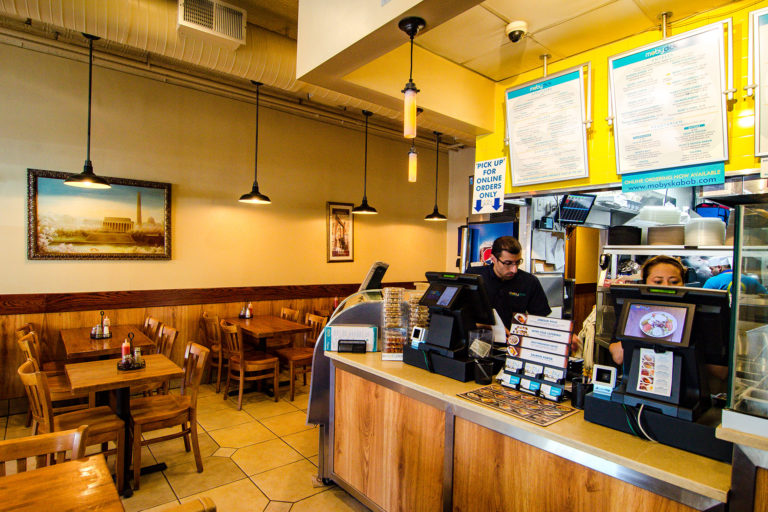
column 263, row 458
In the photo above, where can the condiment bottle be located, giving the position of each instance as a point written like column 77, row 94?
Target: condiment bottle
column 106, row 326
column 137, row 355
column 249, row 311
column 126, row 349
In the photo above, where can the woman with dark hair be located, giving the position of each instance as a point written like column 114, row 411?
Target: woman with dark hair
column 660, row 270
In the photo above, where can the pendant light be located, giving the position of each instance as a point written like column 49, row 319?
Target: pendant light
column 87, row 179
column 364, row 209
column 254, row 196
column 413, row 157
column 411, row 26
column 436, row 216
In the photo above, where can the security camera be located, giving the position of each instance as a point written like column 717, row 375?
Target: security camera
column 516, row 30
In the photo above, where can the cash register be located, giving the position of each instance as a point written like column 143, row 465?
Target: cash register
column 457, row 303
column 669, row 336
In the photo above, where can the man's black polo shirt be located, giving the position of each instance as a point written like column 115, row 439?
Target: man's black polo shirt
column 521, row 294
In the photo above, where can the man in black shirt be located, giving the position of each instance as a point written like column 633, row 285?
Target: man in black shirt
column 510, row 289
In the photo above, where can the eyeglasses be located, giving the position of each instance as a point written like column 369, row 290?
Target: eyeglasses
column 511, row 263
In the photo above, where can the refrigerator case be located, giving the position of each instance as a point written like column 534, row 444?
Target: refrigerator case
column 748, row 391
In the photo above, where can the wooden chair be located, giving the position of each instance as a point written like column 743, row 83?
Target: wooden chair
column 166, row 338
column 284, row 340
column 299, row 359
column 163, row 411
column 209, row 327
column 30, row 334
column 151, row 327
column 58, row 385
column 103, row 424
column 44, row 448
column 246, row 366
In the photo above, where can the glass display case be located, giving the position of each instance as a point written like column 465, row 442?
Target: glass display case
column 748, row 398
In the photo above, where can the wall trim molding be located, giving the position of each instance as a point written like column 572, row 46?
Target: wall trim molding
column 31, row 303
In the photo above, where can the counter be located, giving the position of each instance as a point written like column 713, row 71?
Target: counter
column 400, row 439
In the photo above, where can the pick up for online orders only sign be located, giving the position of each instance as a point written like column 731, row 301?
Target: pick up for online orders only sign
column 488, row 186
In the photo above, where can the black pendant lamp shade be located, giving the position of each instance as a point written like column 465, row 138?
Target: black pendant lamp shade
column 436, row 215
column 365, row 208
column 254, row 196
column 411, row 26
column 87, row 179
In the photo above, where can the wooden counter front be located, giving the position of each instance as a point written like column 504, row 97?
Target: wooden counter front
column 389, row 414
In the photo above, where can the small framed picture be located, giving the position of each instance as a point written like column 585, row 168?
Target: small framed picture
column 340, row 238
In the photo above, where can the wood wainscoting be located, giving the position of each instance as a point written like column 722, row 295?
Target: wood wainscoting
column 180, row 309
column 387, row 445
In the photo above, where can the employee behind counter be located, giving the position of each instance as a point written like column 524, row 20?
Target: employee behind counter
column 511, row 290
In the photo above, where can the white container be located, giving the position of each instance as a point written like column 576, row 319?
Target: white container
column 705, row 231
column 660, row 214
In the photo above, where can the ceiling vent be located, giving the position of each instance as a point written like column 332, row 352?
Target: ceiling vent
column 214, row 21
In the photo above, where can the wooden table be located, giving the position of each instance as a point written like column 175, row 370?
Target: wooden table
column 103, row 375
column 262, row 327
column 77, row 485
column 79, row 344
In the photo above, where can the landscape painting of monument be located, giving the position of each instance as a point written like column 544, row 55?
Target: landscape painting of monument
column 130, row 220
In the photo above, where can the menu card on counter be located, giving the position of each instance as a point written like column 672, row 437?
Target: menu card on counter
column 537, row 355
column 545, row 128
column 668, row 103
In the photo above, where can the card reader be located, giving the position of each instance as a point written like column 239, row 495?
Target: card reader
column 357, row 346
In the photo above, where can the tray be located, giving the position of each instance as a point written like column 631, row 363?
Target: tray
column 101, row 336
column 130, row 365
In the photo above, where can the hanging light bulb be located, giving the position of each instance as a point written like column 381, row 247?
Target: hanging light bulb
column 412, row 164
column 436, row 216
column 254, row 196
column 87, row 178
column 410, row 26
column 364, row 208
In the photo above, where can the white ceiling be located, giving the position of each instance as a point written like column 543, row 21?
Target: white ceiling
column 477, row 40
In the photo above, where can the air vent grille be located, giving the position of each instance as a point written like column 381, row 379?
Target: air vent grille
column 212, row 20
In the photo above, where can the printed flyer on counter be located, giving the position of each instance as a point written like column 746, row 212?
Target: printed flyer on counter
column 547, row 137
column 668, row 103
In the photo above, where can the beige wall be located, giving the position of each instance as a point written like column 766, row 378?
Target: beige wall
column 203, row 145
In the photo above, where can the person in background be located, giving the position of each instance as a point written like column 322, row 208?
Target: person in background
column 722, row 278
column 510, row 289
column 660, row 270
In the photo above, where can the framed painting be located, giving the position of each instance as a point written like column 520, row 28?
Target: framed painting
column 340, row 237
column 130, row 220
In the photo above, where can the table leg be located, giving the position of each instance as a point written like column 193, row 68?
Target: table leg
column 123, row 410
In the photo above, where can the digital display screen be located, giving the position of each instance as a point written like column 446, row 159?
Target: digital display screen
column 656, row 323
column 575, row 208
column 447, row 296
column 603, row 375
column 433, row 295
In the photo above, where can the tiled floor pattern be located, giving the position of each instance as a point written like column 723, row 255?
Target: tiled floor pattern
column 263, row 458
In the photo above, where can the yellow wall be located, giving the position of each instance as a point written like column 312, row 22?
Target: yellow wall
column 600, row 143
column 203, row 145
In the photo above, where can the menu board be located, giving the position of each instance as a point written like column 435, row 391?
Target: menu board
column 668, row 102
column 545, row 128
column 759, row 56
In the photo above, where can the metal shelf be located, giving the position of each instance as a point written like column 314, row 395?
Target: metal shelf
column 671, row 250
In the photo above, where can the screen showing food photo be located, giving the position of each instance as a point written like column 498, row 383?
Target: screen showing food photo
column 448, row 294
column 655, row 322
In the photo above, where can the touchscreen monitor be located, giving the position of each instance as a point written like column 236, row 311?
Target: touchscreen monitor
column 656, row 322
column 575, row 208
column 448, row 296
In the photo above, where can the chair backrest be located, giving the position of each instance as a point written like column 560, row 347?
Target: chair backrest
column 40, row 447
column 24, row 330
column 151, row 328
column 230, row 339
column 209, row 327
column 166, row 337
column 29, row 347
column 317, row 323
column 289, row 314
column 38, row 394
column 195, row 358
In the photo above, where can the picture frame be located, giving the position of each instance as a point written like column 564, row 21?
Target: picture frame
column 131, row 220
column 340, row 235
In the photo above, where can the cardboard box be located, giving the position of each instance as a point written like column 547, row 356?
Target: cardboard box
column 334, row 333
